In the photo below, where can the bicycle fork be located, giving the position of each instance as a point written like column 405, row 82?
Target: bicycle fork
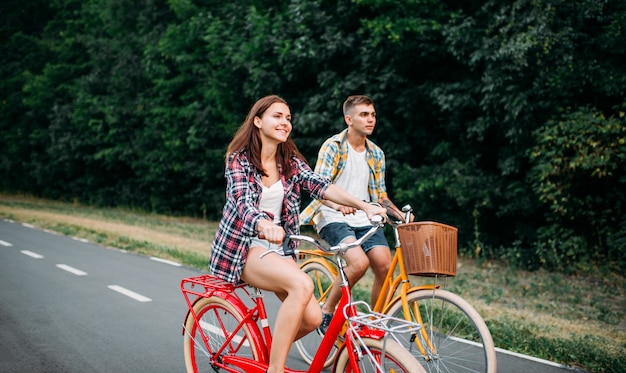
column 422, row 340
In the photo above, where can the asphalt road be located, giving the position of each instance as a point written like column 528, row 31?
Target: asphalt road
column 68, row 305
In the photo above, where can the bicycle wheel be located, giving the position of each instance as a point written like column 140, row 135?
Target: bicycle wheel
column 217, row 318
column 454, row 337
column 322, row 278
column 389, row 355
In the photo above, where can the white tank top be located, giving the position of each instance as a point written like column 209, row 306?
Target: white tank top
column 272, row 200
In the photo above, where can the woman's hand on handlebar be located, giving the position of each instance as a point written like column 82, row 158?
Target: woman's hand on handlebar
column 271, row 232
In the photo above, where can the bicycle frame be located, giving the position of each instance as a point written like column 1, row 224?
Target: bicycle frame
column 335, row 328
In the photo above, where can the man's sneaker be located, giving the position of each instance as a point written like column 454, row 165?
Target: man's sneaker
column 326, row 318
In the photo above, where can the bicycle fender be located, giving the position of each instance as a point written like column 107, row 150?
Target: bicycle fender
column 323, row 262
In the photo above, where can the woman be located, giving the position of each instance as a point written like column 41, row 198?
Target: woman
column 265, row 173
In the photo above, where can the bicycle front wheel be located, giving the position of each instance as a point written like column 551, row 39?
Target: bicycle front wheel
column 454, row 337
column 387, row 355
column 218, row 320
column 322, row 279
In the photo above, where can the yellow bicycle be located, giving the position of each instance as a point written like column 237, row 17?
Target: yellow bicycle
column 453, row 337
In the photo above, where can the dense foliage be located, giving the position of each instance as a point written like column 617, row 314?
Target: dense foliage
column 505, row 119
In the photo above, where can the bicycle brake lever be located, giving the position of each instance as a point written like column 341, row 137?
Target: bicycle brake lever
column 287, row 250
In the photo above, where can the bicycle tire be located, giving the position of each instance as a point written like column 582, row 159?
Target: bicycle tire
column 322, row 278
column 462, row 341
column 397, row 359
column 218, row 318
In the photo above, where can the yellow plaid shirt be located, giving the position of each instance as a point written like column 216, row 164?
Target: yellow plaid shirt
column 331, row 161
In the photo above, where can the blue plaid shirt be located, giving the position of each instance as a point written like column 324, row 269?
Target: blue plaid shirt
column 241, row 213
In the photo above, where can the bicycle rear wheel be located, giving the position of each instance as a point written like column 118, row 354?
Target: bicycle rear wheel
column 218, row 319
column 389, row 355
column 454, row 337
column 322, row 279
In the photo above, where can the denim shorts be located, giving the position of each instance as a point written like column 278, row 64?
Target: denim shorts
column 255, row 241
column 335, row 233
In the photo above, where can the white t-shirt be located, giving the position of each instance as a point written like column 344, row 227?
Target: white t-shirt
column 354, row 179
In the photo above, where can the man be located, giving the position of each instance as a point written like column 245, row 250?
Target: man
column 357, row 165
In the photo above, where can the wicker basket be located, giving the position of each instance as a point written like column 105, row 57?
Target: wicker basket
column 429, row 248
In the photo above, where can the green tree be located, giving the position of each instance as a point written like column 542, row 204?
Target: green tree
column 133, row 103
column 22, row 54
column 580, row 173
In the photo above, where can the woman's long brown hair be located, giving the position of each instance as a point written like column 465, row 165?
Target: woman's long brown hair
column 248, row 139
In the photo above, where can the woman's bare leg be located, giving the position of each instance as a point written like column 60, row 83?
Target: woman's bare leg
column 295, row 316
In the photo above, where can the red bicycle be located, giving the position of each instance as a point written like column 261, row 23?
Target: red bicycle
column 226, row 328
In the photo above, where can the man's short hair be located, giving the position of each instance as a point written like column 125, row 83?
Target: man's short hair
column 355, row 100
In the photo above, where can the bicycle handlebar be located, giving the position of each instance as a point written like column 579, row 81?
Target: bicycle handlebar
column 407, row 209
column 377, row 222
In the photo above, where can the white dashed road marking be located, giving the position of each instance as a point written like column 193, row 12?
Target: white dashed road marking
column 31, row 254
column 165, row 261
column 4, row 243
column 73, row 270
column 129, row 293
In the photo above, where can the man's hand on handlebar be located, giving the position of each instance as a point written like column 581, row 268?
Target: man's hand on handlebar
column 374, row 209
column 393, row 214
column 396, row 215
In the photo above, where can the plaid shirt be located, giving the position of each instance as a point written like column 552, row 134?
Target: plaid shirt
column 241, row 213
column 331, row 162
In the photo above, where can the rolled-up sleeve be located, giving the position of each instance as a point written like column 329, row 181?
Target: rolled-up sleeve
column 312, row 182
